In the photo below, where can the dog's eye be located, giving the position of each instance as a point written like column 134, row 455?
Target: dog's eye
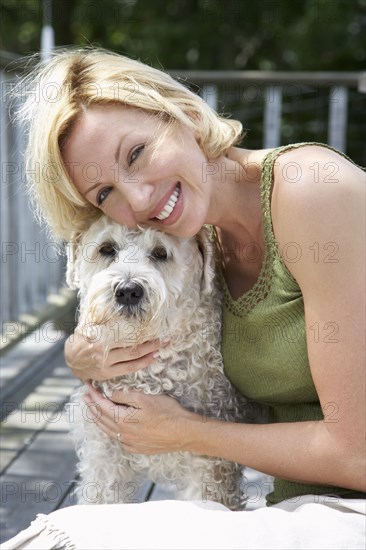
column 108, row 250
column 159, row 253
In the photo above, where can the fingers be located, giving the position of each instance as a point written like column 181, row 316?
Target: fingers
column 137, row 350
column 132, row 353
column 68, row 350
column 147, row 424
column 91, row 360
column 126, row 367
column 108, row 416
column 118, row 397
column 103, row 410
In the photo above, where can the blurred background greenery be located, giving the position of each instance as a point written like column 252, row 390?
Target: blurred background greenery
column 277, row 35
column 202, row 34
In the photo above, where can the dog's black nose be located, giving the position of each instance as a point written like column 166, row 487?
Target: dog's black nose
column 128, row 295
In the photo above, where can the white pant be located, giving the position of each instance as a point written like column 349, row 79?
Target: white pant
column 313, row 522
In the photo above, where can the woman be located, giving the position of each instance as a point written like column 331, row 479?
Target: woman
column 122, row 139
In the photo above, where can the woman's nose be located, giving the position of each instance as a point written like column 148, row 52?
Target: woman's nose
column 137, row 192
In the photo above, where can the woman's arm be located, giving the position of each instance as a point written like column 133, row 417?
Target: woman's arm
column 324, row 214
column 318, row 215
column 301, row 451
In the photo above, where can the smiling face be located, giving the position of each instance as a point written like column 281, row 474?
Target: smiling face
column 123, row 161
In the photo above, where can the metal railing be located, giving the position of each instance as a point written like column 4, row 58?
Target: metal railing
column 285, row 107
column 277, row 107
column 32, row 287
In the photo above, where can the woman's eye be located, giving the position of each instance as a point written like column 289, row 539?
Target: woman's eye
column 135, row 154
column 102, row 195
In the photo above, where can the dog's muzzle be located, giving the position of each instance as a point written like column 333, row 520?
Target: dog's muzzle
column 129, row 294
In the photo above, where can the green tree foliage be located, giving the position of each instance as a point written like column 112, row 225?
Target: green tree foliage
column 288, row 35
column 201, row 34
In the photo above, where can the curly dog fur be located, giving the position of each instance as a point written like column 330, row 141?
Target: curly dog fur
column 136, row 285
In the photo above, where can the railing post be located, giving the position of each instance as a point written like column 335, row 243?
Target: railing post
column 362, row 83
column 337, row 121
column 28, row 275
column 25, row 271
column 272, row 117
column 210, row 95
column 4, row 207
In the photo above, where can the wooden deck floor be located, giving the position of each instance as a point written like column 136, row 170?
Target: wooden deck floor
column 37, row 456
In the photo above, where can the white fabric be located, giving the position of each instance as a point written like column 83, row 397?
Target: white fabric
column 313, row 522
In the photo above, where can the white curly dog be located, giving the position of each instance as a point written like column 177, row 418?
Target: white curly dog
column 137, row 285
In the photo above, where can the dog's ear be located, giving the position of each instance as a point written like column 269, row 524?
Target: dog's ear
column 207, row 249
column 73, row 262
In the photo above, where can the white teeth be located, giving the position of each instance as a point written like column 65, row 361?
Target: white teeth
column 169, row 207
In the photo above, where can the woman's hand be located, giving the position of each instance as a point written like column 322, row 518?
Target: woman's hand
column 145, row 424
column 90, row 360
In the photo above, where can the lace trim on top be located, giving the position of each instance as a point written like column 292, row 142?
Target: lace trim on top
column 260, row 291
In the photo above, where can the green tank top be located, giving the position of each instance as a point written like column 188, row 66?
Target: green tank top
column 264, row 341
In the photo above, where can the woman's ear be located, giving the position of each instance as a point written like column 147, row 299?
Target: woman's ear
column 207, row 249
column 73, row 249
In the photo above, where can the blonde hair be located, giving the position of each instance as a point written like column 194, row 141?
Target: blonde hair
column 57, row 94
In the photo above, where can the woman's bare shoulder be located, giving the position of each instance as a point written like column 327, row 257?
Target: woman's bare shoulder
column 316, row 192
column 315, row 164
